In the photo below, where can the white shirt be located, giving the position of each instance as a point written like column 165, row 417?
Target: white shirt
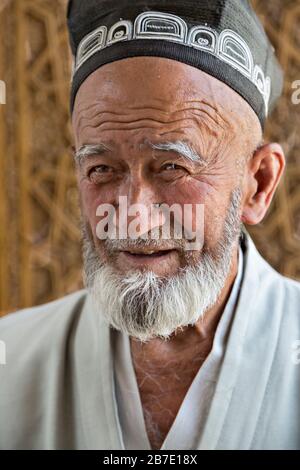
column 188, row 425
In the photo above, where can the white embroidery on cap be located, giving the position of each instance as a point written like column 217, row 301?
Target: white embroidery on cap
column 235, row 51
column 121, row 31
column 93, row 42
column 202, row 37
column 228, row 47
column 263, row 84
column 156, row 25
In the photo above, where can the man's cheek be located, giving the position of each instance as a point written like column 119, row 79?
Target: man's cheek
column 214, row 226
column 89, row 203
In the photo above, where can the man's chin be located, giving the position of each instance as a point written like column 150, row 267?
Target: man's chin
column 144, row 305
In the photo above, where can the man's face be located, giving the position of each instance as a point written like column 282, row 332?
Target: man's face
column 166, row 133
column 133, row 108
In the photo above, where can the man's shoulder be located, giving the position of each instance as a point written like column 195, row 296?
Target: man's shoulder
column 281, row 285
column 281, row 288
column 38, row 356
column 291, row 290
column 271, row 292
column 42, row 321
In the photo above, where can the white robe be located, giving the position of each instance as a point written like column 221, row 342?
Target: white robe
column 57, row 388
column 187, row 429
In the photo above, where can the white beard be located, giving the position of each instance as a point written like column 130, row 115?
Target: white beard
column 144, row 305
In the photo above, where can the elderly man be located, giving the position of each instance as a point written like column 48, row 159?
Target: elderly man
column 172, row 345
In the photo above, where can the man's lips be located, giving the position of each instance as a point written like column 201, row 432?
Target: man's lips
column 147, row 255
column 148, row 252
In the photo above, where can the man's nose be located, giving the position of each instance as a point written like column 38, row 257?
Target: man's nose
column 142, row 200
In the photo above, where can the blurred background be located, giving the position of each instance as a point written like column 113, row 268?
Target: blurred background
column 40, row 256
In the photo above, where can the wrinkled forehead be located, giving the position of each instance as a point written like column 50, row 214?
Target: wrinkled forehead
column 162, row 85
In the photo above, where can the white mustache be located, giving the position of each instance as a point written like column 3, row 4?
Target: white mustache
column 140, row 243
column 152, row 240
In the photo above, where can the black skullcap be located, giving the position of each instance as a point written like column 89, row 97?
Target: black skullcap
column 223, row 38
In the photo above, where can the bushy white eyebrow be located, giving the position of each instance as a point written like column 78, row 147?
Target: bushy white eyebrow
column 90, row 150
column 182, row 148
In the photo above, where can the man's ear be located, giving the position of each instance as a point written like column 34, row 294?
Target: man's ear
column 263, row 174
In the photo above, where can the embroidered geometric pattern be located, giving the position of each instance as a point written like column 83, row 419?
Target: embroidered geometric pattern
column 228, row 46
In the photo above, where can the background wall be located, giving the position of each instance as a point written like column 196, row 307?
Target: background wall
column 39, row 218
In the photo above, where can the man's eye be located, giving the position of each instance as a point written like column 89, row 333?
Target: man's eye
column 172, row 166
column 100, row 169
column 96, row 173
